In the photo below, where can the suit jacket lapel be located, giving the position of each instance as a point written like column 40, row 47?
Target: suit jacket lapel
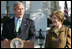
column 23, row 26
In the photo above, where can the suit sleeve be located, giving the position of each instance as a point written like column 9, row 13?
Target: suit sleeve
column 5, row 31
column 32, row 32
column 69, row 38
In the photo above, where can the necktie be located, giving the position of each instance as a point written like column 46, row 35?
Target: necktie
column 17, row 26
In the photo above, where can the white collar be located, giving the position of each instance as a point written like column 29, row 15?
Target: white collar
column 17, row 18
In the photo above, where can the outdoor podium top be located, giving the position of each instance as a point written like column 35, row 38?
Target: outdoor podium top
column 27, row 44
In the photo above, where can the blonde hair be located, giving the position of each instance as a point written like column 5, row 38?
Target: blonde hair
column 59, row 14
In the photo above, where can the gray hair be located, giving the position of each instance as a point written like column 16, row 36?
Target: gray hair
column 16, row 3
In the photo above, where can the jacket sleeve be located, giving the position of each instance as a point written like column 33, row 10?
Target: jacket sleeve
column 32, row 34
column 4, row 31
column 69, row 38
column 47, row 45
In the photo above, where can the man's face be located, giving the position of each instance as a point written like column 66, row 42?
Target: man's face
column 19, row 11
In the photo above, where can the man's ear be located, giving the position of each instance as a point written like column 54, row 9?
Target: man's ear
column 13, row 10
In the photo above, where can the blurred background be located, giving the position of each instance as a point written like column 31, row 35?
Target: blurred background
column 40, row 12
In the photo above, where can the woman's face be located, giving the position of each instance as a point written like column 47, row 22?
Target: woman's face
column 55, row 20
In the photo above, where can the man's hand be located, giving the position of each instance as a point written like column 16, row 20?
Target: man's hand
column 5, row 39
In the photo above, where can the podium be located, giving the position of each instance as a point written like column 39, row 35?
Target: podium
column 27, row 44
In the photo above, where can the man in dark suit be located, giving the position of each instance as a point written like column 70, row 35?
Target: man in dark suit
column 26, row 26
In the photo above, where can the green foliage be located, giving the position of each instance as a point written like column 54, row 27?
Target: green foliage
column 4, row 19
column 66, row 22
